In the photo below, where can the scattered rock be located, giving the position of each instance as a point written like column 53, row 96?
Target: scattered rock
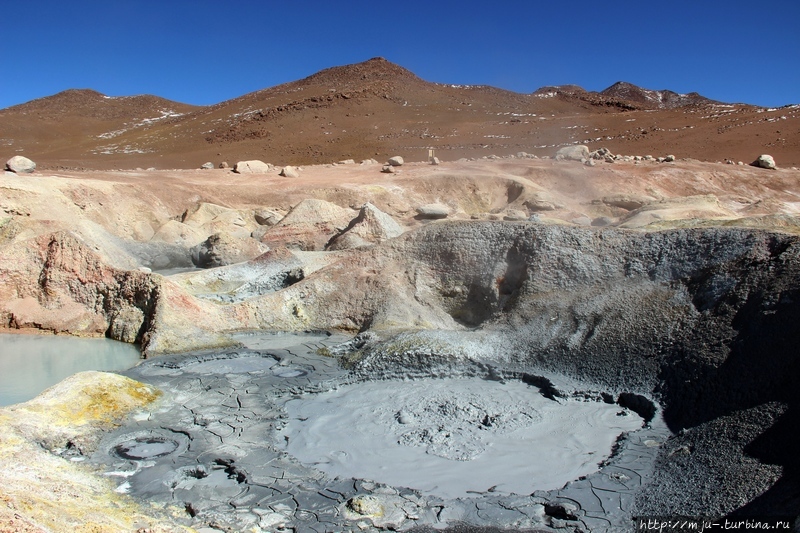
column 369, row 162
column 435, row 160
column 224, row 164
column 388, row 169
column 669, row 159
column 289, row 172
column 207, row 166
column 433, row 211
column 573, row 153
column 253, row 167
column 396, row 161
column 765, row 161
column 20, row 165
column 347, row 162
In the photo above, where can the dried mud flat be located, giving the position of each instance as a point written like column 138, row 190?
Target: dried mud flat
column 665, row 293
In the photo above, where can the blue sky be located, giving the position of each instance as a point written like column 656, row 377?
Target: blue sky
column 204, row 52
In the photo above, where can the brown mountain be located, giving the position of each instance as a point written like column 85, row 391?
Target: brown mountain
column 378, row 109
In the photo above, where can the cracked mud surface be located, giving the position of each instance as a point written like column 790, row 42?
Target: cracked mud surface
column 213, row 447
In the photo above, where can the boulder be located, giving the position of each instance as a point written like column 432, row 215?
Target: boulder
column 396, row 161
column 20, row 165
column 252, row 167
column 573, row 153
column 433, row 211
column 369, row 162
column 371, row 226
column 289, row 172
column 765, row 161
column 347, row 162
column 224, row 164
column 223, row 249
column 435, row 160
column 207, row 166
column 388, row 169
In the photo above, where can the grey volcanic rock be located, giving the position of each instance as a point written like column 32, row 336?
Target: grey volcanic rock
column 433, row 211
column 765, row 161
column 254, row 166
column 20, row 165
column 573, row 153
column 223, row 249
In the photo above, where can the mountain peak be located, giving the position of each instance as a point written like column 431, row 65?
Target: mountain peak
column 375, row 69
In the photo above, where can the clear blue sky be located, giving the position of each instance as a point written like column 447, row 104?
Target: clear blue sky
column 207, row 51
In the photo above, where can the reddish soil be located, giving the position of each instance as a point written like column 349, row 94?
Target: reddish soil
column 376, row 109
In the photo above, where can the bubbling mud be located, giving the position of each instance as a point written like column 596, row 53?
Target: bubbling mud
column 453, row 437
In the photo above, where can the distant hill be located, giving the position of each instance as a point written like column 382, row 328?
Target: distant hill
column 376, row 109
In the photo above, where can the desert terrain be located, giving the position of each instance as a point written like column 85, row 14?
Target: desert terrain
column 648, row 277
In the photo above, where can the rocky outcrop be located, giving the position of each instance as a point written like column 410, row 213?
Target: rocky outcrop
column 59, row 284
column 254, row 166
column 371, row 226
column 20, row 165
column 309, row 225
column 223, row 249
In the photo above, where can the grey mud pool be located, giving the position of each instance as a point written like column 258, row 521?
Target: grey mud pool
column 277, row 436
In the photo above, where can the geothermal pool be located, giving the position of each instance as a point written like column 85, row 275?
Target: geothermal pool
column 453, row 437
column 31, row 363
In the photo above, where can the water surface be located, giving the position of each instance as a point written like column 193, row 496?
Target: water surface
column 31, row 363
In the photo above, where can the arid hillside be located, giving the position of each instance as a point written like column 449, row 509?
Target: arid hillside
column 377, row 109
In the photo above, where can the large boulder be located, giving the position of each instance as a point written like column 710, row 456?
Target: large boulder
column 309, row 225
column 252, row 167
column 223, row 249
column 371, row 226
column 20, row 165
column 396, row 161
column 573, row 153
column 765, row 161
